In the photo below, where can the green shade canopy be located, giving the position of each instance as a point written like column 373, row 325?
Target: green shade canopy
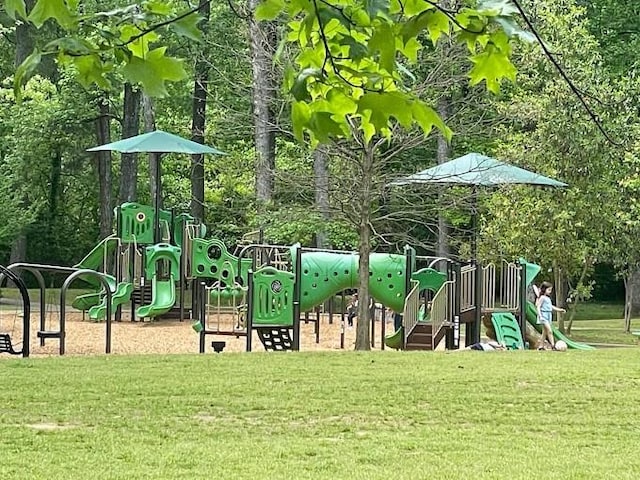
column 475, row 169
column 157, row 142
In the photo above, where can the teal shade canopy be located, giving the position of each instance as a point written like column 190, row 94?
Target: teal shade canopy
column 157, row 142
column 475, row 169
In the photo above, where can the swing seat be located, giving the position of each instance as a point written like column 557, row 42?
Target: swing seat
column 48, row 334
column 5, row 344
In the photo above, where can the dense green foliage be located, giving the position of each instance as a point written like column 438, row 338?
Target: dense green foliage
column 359, row 87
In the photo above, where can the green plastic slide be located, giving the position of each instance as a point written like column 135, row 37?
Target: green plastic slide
column 120, row 296
column 507, row 330
column 86, row 301
column 163, row 297
column 95, row 258
column 395, row 340
column 532, row 317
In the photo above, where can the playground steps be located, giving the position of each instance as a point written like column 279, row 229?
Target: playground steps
column 174, row 313
column 422, row 337
column 142, row 295
column 275, row 339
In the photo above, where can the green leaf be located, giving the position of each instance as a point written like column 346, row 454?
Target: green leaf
column 91, row 70
column 512, row 29
column 269, row 9
column 375, row 7
column 25, row 71
column 152, row 72
column 56, row 9
column 140, row 46
column 299, row 89
column 188, row 27
column 382, row 41
column 428, row 118
column 158, row 7
column 70, row 45
column 341, row 104
column 324, row 126
column 300, row 116
column 501, row 7
column 357, row 50
column 385, row 105
column 15, row 6
column 415, row 7
column 437, row 25
column 491, row 65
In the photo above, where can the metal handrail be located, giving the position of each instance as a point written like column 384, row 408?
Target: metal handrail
column 510, row 285
column 467, row 288
column 442, row 308
column 411, row 309
column 489, row 286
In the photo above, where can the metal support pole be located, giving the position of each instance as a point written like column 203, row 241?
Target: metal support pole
column 249, row 309
column 472, row 334
column 296, row 299
column 522, row 319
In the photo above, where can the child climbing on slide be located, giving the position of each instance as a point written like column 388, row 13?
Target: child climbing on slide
column 545, row 309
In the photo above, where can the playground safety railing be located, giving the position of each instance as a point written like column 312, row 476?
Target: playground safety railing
column 510, row 285
column 467, row 288
column 411, row 308
column 489, row 287
column 442, row 308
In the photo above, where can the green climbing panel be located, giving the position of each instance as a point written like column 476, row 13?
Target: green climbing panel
column 211, row 259
column 429, row 279
column 387, row 279
column 272, row 297
column 507, row 330
column 179, row 222
column 136, row 222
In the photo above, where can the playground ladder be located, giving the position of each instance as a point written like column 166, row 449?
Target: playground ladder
column 276, row 339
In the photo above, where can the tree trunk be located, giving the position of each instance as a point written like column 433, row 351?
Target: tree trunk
column 263, row 44
column 198, row 121
column 634, row 282
column 365, row 185
column 155, row 180
column 103, row 135
column 629, row 291
column 561, row 294
column 24, row 46
column 443, row 154
column 321, row 177
column 129, row 161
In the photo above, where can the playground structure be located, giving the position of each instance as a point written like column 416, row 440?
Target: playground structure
column 270, row 289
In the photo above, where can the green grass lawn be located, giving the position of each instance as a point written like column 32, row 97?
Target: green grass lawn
column 467, row 415
column 599, row 311
column 9, row 295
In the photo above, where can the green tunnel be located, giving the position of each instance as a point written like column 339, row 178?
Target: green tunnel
column 325, row 274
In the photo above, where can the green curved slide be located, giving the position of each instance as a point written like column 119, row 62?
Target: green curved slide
column 532, row 317
column 121, row 295
column 163, row 297
column 395, row 340
column 531, row 312
column 93, row 261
